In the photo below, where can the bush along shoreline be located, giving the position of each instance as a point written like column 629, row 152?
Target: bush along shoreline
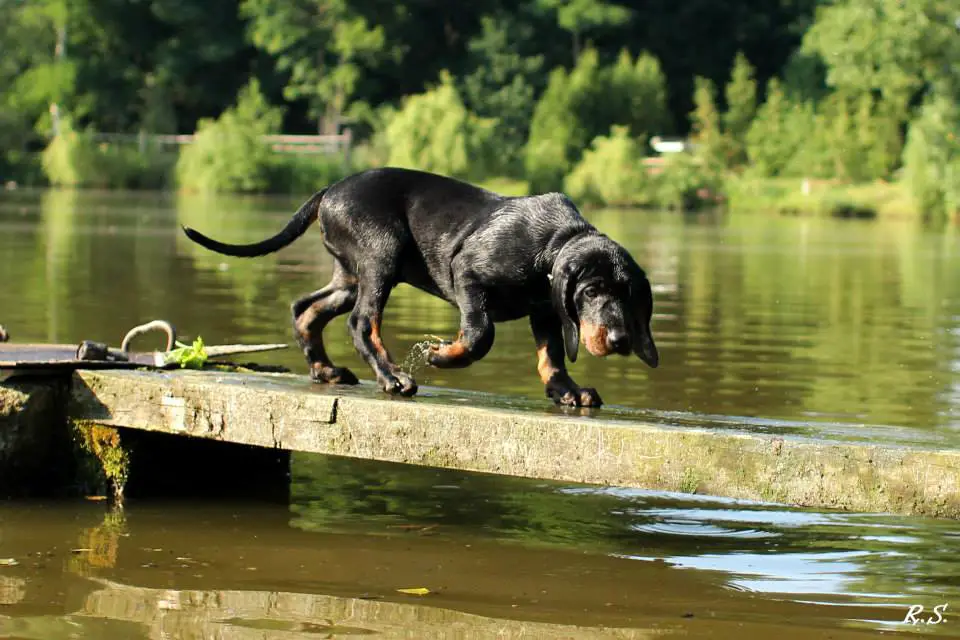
column 612, row 174
column 788, row 154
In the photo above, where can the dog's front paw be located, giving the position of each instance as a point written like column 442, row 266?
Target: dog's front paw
column 448, row 355
column 574, row 396
column 398, row 382
column 589, row 397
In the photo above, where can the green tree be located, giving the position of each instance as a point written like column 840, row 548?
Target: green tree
column 741, row 95
column 322, row 45
column 778, row 133
column 877, row 138
column 611, row 171
column 882, row 56
column 850, row 137
column 706, row 133
column 804, row 77
column 160, row 65
column 808, row 148
column 635, row 94
column 886, row 46
column 35, row 73
column 558, row 132
column 155, row 65
column 502, row 84
column 184, row 53
column 580, row 16
column 228, row 154
column 583, row 104
column 932, row 155
column 434, row 131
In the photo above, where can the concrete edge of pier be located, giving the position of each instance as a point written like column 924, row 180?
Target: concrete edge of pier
column 287, row 412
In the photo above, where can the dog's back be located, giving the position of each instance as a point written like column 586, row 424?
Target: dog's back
column 420, row 216
column 428, row 202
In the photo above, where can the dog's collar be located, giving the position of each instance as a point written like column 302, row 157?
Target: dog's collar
column 561, row 241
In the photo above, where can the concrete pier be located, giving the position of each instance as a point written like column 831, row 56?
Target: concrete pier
column 35, row 450
column 486, row 433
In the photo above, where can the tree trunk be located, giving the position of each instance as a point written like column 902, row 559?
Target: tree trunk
column 59, row 53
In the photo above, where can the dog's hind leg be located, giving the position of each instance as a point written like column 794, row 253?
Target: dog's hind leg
column 311, row 314
column 365, row 325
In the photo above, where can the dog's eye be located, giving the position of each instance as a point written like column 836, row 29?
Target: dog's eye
column 590, row 292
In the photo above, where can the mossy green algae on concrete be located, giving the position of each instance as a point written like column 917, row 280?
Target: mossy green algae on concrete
column 102, row 456
column 44, row 453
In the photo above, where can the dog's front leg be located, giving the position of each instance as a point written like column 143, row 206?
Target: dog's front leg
column 476, row 332
column 548, row 332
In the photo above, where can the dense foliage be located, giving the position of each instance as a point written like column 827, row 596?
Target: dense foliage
column 854, row 90
column 228, row 153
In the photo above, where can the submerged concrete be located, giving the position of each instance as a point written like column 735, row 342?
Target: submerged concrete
column 481, row 432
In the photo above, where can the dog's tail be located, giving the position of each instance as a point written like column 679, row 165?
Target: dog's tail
column 298, row 225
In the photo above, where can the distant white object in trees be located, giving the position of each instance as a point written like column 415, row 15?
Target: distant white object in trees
column 671, row 145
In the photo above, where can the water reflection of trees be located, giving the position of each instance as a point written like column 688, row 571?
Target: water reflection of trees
column 894, row 556
column 788, row 317
column 795, row 318
column 114, row 610
column 103, row 594
column 276, row 615
column 114, row 594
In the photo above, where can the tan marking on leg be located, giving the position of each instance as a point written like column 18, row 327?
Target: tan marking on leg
column 375, row 339
column 304, row 320
column 454, row 350
column 545, row 366
column 312, row 335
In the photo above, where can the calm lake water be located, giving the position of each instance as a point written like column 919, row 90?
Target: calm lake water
column 842, row 328
column 768, row 322
column 501, row 557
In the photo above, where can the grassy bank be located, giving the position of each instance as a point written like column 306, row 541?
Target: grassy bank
column 118, row 166
column 821, row 197
column 74, row 160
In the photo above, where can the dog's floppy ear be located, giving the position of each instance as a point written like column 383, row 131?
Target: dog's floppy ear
column 562, row 285
column 641, row 308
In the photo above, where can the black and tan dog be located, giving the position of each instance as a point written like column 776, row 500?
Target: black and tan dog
column 496, row 258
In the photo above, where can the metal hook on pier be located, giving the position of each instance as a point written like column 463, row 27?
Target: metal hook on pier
column 155, row 325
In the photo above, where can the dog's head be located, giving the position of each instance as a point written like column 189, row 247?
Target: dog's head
column 604, row 299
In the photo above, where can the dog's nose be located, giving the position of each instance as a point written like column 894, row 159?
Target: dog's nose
column 619, row 341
